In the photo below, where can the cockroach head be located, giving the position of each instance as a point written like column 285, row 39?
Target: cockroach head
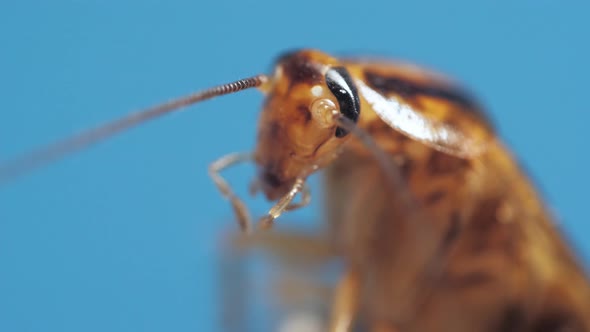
column 298, row 127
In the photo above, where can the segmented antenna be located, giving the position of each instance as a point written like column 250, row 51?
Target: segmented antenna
column 37, row 158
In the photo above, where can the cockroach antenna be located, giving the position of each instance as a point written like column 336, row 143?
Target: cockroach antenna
column 12, row 169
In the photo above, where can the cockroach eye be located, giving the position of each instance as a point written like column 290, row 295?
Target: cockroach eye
column 342, row 87
column 322, row 111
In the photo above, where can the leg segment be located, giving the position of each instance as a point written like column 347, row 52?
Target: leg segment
column 284, row 204
column 240, row 209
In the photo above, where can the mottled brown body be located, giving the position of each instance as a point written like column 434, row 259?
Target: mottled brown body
column 493, row 261
column 503, row 265
column 462, row 243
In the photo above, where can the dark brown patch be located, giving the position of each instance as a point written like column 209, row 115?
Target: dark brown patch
column 434, row 197
column 513, row 319
column 484, row 216
column 452, row 232
column 305, row 113
column 274, row 129
column 449, row 238
column 271, row 179
column 443, row 164
column 299, row 68
column 410, row 90
column 555, row 322
column 483, row 236
column 406, row 166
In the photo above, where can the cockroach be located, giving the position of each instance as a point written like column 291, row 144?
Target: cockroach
column 439, row 227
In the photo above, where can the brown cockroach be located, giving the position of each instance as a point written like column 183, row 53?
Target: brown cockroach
column 439, row 227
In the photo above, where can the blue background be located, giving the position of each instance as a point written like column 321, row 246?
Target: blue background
column 125, row 236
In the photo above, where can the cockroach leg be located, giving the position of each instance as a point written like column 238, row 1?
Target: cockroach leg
column 305, row 199
column 284, row 204
column 240, row 209
column 345, row 302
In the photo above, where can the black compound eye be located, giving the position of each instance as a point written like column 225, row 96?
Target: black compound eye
column 341, row 85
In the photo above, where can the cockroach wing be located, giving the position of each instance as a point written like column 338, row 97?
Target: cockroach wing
column 426, row 108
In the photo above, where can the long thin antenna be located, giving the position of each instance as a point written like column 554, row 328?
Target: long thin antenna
column 37, row 158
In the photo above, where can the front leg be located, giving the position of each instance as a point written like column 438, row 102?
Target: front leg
column 240, row 209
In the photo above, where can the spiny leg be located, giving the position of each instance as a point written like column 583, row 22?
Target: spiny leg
column 284, row 204
column 240, row 209
column 305, row 199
